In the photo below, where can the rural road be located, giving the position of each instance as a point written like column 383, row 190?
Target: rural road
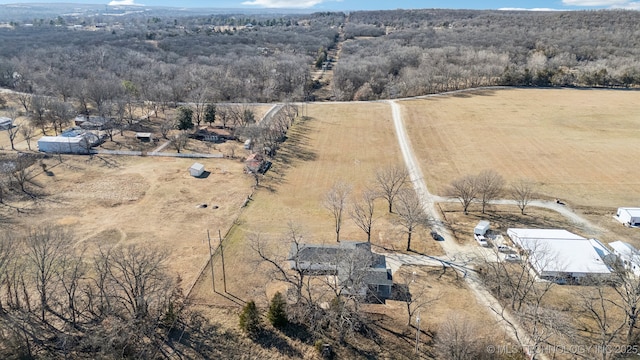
column 449, row 245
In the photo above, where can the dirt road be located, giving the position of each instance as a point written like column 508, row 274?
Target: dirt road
column 450, row 246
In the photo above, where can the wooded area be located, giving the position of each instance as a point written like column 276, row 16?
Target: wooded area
column 386, row 54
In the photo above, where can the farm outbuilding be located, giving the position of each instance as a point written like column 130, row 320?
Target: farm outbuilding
column 72, row 143
column 5, row 123
column 144, row 136
column 196, row 170
column 628, row 256
column 628, row 216
column 561, row 256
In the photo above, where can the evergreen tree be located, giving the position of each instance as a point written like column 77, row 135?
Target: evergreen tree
column 277, row 314
column 250, row 318
column 185, row 118
column 210, row 113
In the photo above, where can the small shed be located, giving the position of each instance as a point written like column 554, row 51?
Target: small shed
column 255, row 163
column 144, row 136
column 629, row 216
column 481, row 228
column 196, row 170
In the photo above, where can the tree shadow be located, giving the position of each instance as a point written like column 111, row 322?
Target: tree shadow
column 205, row 339
column 271, row 340
column 400, row 292
column 298, row 332
column 294, row 150
column 511, row 219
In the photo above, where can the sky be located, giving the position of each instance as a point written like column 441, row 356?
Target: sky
column 348, row 5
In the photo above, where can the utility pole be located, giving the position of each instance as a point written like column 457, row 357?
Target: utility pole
column 224, row 273
column 417, row 331
column 213, row 278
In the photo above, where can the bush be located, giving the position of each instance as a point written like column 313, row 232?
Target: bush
column 277, row 314
column 250, row 318
column 324, row 349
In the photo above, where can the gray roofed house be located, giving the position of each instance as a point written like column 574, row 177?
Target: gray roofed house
column 358, row 269
column 5, row 123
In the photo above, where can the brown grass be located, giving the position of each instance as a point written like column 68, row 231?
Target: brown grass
column 328, row 147
column 345, row 142
column 141, row 200
column 578, row 145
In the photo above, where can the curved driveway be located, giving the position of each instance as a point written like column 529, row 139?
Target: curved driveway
column 451, row 247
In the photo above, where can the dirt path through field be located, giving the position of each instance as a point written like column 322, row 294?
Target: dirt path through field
column 450, row 246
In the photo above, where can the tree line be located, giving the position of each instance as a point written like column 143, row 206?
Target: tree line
column 488, row 185
column 430, row 51
column 388, row 54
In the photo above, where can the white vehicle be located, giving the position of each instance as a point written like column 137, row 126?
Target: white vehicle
column 504, row 249
column 512, row 257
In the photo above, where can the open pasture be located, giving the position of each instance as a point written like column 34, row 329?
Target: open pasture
column 149, row 201
column 338, row 142
column 577, row 145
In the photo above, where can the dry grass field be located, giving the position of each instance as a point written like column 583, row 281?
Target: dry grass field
column 577, row 145
column 345, row 142
column 142, row 200
column 339, row 142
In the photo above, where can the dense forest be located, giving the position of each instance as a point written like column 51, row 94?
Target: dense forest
column 429, row 51
column 383, row 54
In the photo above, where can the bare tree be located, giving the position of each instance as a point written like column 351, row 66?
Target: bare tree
column 71, row 271
column 138, row 278
column 362, row 211
column 24, row 98
column 522, row 192
column 179, row 141
column 490, row 185
column 4, row 182
column 12, row 130
column 627, row 285
column 459, row 339
column 297, row 277
column 21, row 173
column 26, row 130
column 410, row 212
column 335, row 200
column 390, row 180
column 597, row 312
column 39, row 108
column 8, row 247
column 166, row 126
column 46, row 246
column 414, row 291
column 222, row 113
column 465, row 189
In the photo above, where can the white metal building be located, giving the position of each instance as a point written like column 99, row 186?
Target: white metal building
column 560, row 255
column 629, row 216
column 628, row 255
column 78, row 144
column 196, row 169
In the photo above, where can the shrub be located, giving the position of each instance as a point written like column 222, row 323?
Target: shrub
column 277, row 314
column 250, row 318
